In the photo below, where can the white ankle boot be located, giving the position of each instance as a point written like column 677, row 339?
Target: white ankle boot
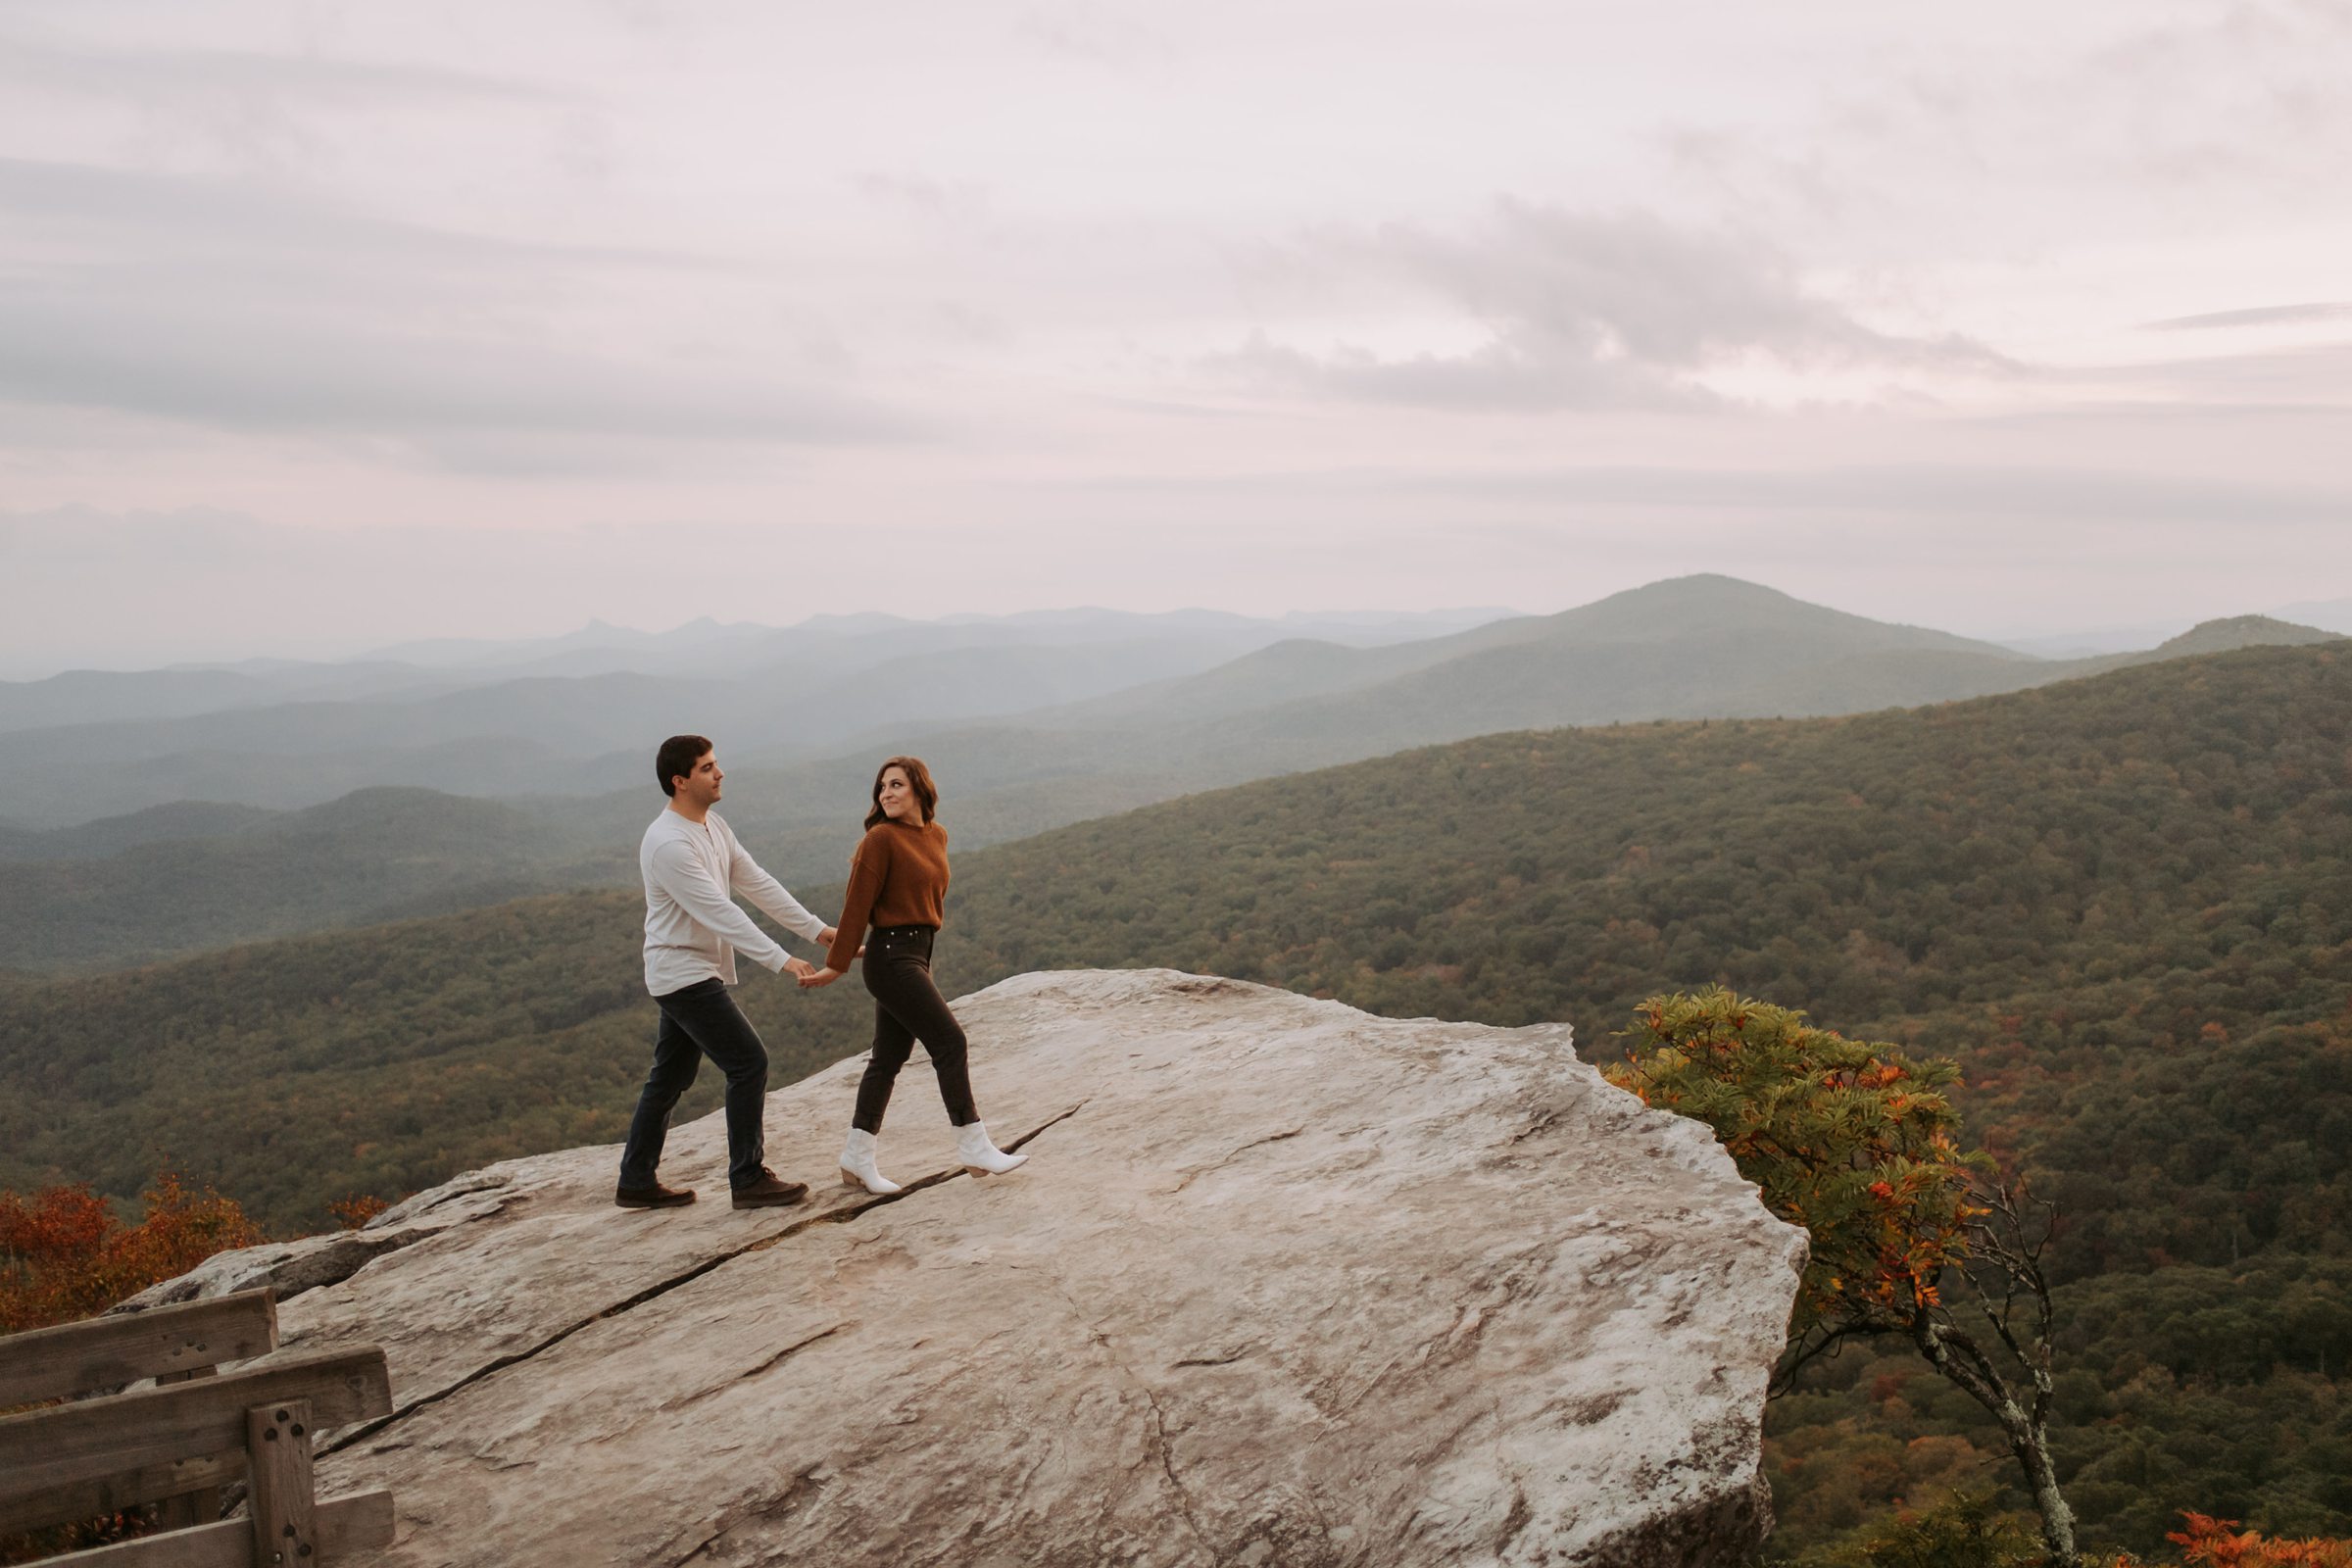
column 980, row 1156
column 858, row 1168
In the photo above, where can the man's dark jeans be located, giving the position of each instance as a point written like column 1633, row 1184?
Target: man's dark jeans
column 701, row 1020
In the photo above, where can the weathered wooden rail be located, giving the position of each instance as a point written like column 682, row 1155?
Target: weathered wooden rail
column 197, row 1429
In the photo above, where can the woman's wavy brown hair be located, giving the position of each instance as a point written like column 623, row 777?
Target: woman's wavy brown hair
column 917, row 775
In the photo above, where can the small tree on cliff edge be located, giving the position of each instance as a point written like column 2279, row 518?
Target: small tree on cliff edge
column 1857, row 1143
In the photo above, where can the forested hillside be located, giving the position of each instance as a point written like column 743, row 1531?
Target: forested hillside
column 2124, row 904
column 374, row 854
column 111, row 835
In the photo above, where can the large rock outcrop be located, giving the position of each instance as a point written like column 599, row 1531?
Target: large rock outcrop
column 1284, row 1284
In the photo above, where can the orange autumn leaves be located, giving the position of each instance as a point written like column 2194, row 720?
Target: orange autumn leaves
column 64, row 1255
column 1853, row 1141
column 2209, row 1543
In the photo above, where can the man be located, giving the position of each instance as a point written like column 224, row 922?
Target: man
column 693, row 869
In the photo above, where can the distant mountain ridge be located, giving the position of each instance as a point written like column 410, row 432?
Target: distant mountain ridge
column 704, row 636
column 1196, row 697
column 2239, row 632
column 1512, row 658
column 1690, row 647
column 550, row 711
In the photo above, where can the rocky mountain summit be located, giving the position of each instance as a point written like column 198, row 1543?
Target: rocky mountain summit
column 1284, row 1283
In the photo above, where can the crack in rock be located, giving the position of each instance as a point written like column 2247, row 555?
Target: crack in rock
column 1516, row 1520
column 803, row 1483
column 1159, row 1416
column 747, row 1374
column 1219, row 1164
column 1167, row 1458
column 1544, row 1122
column 661, row 1287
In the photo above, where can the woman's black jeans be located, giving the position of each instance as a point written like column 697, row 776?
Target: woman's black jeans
column 909, row 1008
column 701, row 1020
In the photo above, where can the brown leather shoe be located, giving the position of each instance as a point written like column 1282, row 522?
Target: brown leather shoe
column 654, row 1196
column 770, row 1190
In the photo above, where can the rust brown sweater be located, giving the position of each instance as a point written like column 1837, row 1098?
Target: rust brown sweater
column 899, row 876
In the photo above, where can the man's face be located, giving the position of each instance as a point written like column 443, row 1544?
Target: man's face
column 701, row 787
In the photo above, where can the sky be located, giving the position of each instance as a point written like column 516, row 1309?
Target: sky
column 324, row 325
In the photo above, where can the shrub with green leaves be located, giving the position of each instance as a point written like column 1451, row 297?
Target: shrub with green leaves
column 1850, row 1140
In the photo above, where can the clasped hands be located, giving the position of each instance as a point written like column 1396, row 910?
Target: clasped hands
column 810, row 977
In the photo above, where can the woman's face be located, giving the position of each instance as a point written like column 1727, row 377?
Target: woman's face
column 899, row 801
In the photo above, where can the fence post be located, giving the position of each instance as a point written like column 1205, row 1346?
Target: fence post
column 203, row 1505
column 279, row 1494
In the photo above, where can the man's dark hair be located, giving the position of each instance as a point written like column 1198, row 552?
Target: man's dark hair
column 676, row 759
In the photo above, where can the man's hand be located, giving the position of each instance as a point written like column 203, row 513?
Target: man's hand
column 816, row 978
column 799, row 968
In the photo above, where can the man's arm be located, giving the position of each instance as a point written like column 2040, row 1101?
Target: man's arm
column 751, row 880
column 681, row 875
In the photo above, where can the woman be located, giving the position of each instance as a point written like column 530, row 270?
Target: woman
column 899, row 881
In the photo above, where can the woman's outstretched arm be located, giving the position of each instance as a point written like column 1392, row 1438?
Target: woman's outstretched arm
column 870, row 870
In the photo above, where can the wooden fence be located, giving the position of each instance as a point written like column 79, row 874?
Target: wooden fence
column 179, row 1442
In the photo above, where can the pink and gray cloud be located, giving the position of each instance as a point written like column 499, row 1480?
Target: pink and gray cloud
column 326, row 327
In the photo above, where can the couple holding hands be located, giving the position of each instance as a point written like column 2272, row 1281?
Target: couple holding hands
column 693, row 870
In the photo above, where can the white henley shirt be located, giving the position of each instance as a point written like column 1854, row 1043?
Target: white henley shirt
column 693, row 929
